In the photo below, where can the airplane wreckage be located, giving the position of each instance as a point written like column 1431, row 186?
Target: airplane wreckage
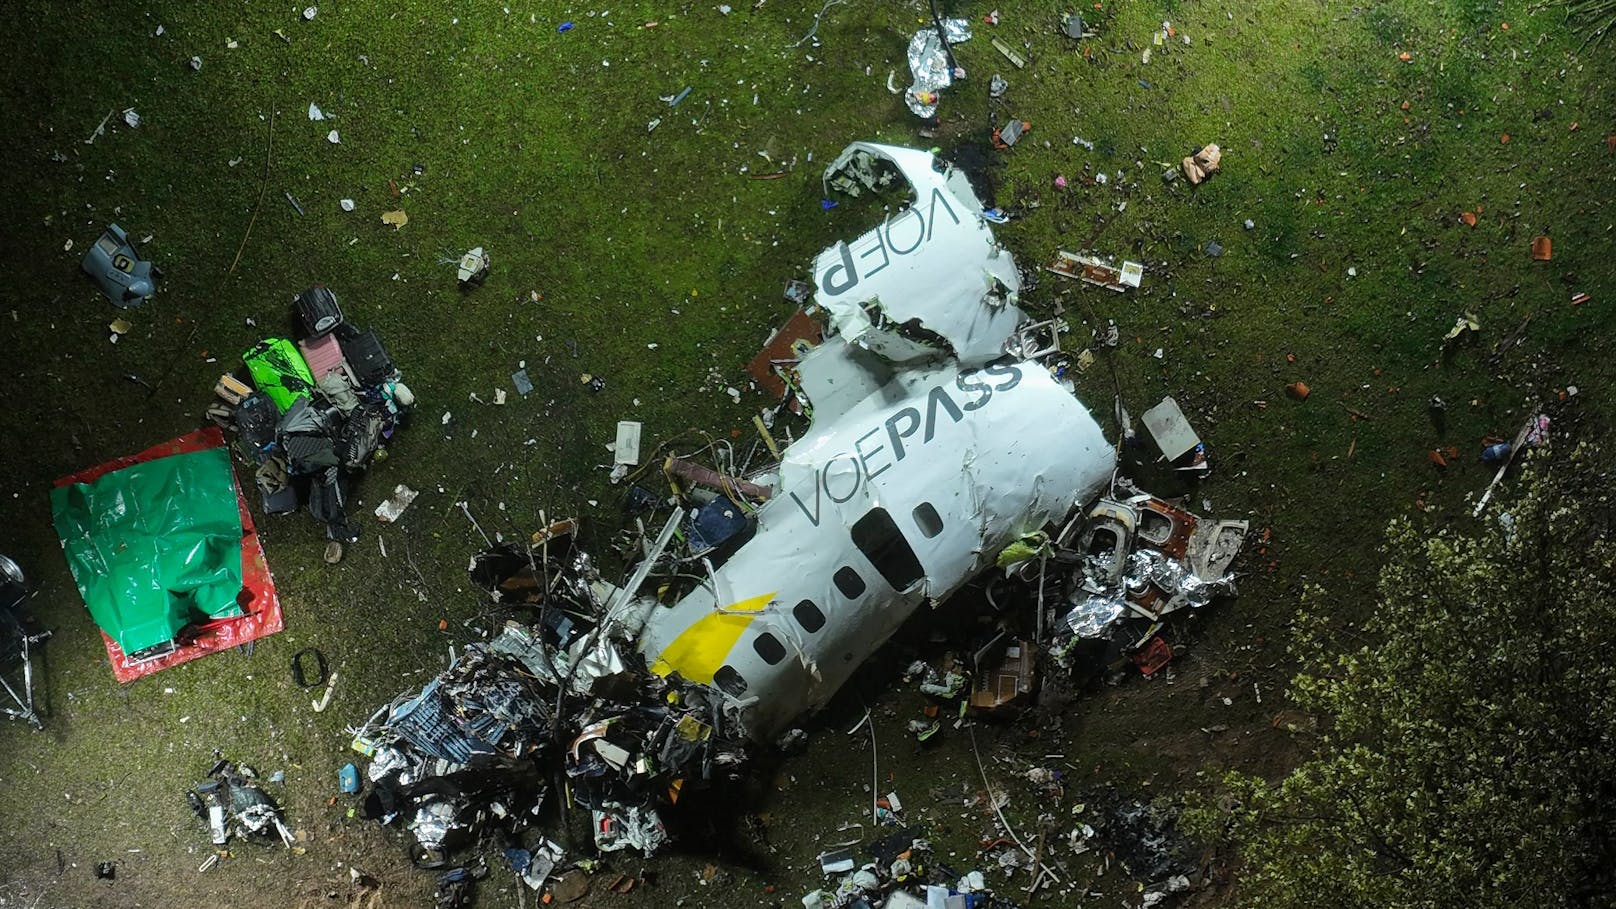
column 943, row 444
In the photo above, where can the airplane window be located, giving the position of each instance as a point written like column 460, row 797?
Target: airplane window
column 769, row 648
column 849, row 583
column 928, row 520
column 729, row 681
column 808, row 616
column 877, row 536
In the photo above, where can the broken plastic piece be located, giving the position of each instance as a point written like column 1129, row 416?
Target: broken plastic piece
column 1170, row 429
column 473, row 268
column 124, row 278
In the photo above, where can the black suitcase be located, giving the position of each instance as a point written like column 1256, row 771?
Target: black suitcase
column 366, row 357
column 318, row 310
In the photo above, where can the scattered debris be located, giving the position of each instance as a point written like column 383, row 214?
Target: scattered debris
column 232, row 803
column 1461, row 326
column 1177, row 442
column 397, row 218
column 473, row 268
column 18, row 637
column 1096, row 271
column 618, row 698
column 1015, row 59
column 101, row 128
column 1010, row 133
column 932, row 64
column 1542, row 248
column 393, row 506
column 1202, row 163
column 124, row 278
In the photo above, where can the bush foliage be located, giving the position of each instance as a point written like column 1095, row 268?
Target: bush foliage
column 1467, row 757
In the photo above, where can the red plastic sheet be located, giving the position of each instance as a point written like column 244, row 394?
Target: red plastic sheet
column 258, row 601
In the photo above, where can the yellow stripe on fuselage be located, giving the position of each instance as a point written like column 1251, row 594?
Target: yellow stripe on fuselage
column 699, row 650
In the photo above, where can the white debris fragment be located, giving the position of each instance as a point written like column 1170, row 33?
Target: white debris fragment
column 315, row 113
column 131, row 118
column 446, row 418
column 347, row 204
column 333, row 138
column 160, row 30
column 309, row 12
column 1352, row 272
column 391, row 508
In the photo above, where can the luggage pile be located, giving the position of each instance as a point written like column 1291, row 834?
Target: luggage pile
column 318, row 410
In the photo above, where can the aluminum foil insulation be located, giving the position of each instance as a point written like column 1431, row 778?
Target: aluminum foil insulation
column 1091, row 617
column 928, row 62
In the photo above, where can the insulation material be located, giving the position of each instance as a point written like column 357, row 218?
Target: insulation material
column 926, row 283
column 929, row 64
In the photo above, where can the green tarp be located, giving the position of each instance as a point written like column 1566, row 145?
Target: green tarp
column 154, row 547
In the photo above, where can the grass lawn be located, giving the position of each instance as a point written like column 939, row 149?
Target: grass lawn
column 1354, row 137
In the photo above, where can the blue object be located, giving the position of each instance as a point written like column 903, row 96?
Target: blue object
column 564, row 27
column 124, row 278
column 827, row 204
column 348, row 778
column 715, row 522
column 995, row 216
column 519, row 859
column 1496, row 454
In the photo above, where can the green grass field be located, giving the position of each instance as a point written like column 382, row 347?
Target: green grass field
column 660, row 263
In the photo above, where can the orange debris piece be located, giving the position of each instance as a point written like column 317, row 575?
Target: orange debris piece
column 1542, row 248
column 1298, row 390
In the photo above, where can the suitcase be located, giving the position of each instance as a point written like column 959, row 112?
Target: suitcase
column 367, row 358
column 317, row 308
